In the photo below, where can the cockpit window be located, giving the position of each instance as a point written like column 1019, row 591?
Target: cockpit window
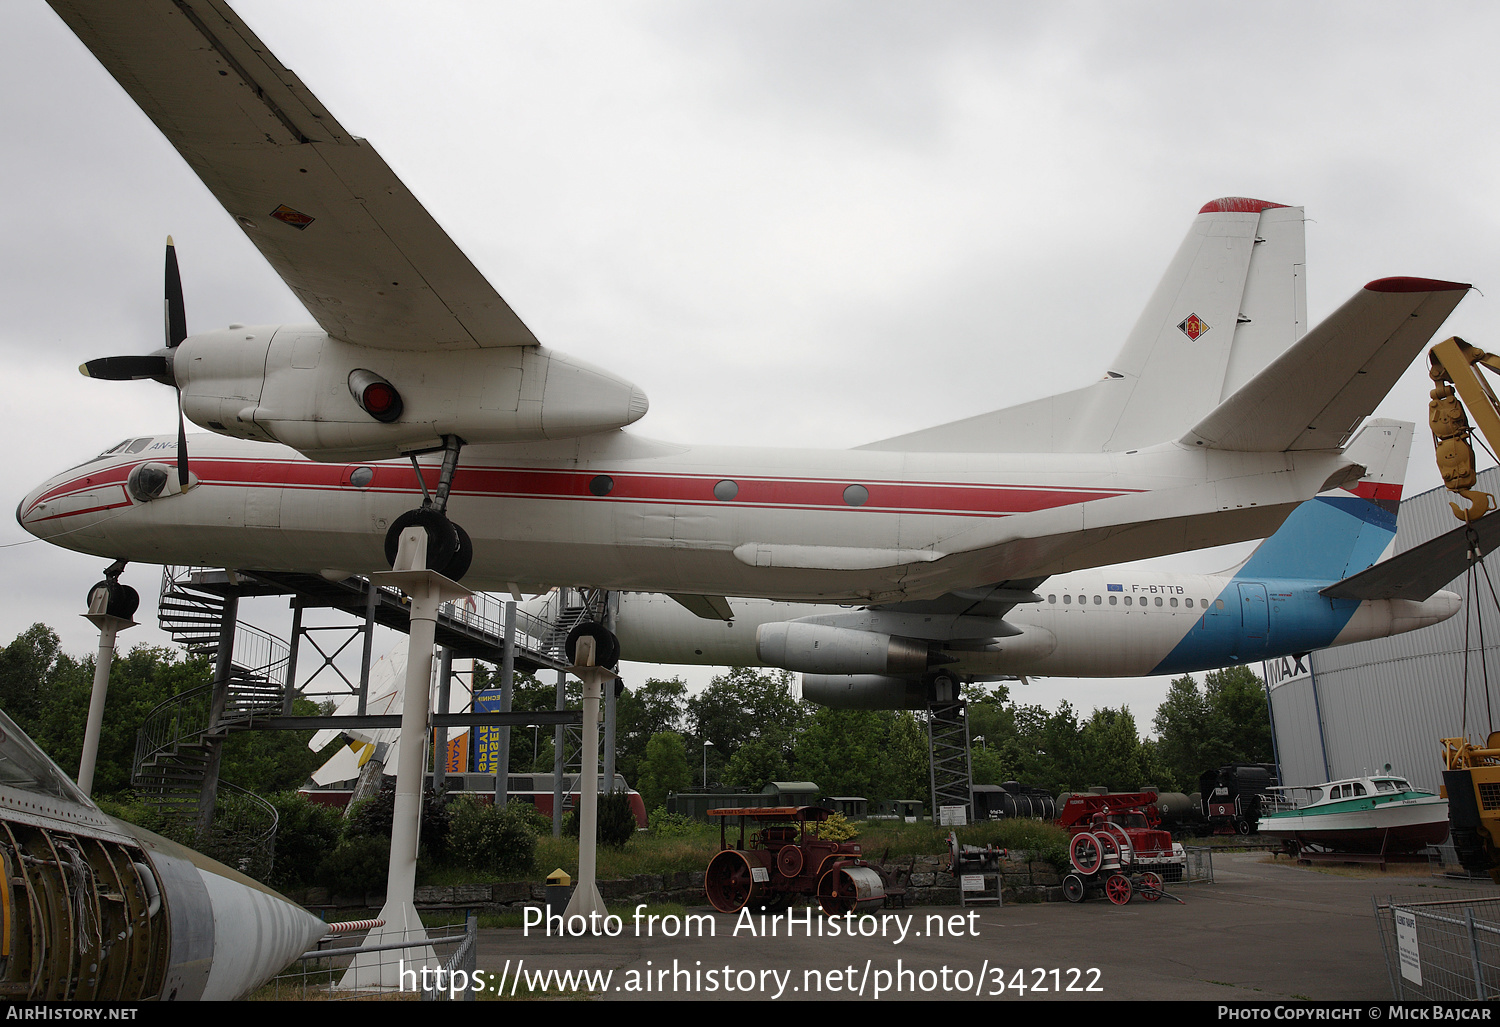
column 22, row 765
column 139, row 444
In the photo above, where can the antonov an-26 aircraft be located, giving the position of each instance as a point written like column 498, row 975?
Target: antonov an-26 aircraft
column 1293, row 594
column 1218, row 416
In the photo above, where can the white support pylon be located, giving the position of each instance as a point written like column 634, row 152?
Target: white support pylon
column 586, row 900
column 428, row 590
column 109, row 626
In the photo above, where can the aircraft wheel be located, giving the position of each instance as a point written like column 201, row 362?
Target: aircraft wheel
column 463, row 555
column 1073, row 889
column 1118, row 889
column 606, row 645
column 442, row 538
column 123, row 600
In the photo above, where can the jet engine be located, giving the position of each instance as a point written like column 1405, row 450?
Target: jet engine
column 824, row 649
column 877, row 691
column 334, row 401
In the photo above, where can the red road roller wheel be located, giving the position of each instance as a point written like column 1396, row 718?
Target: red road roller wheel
column 731, row 881
column 1151, row 886
column 1085, row 853
column 1118, row 889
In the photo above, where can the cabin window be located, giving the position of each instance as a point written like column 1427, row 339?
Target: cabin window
column 1113, row 600
column 1098, row 601
column 1127, row 600
column 1218, row 604
column 856, row 495
column 1158, row 600
column 1189, row 603
column 1174, row 602
column 1067, row 600
column 1052, row 599
column 1359, row 789
column 726, row 490
column 601, row 485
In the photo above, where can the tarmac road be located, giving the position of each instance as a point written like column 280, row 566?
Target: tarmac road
column 1260, row 933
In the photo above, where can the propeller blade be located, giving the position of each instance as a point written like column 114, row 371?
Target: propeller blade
column 176, row 311
column 122, row 369
column 182, row 453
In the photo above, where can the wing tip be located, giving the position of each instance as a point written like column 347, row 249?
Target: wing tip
column 1238, row 205
column 1416, row 285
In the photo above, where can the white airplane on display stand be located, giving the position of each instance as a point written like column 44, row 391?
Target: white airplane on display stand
column 1309, row 586
column 1216, row 419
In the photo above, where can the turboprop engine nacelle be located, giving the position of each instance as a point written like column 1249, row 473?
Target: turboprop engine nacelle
column 823, row 649
column 299, row 386
column 866, row 692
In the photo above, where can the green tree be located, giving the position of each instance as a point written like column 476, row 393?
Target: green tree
column 642, row 712
column 664, row 769
column 741, row 705
column 1226, row 722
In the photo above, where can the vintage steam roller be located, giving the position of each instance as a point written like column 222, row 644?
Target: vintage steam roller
column 778, row 860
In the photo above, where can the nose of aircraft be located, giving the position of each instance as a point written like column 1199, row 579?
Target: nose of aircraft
column 61, row 508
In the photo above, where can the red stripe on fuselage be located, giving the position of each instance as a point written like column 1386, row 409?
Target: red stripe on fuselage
column 531, row 483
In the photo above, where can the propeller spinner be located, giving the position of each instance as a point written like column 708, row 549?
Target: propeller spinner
column 156, row 366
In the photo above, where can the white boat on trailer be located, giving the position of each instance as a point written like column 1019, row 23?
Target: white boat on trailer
column 1379, row 815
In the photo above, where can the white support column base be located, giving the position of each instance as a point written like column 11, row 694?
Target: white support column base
column 586, row 900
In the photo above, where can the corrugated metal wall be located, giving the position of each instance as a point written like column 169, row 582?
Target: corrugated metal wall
column 1392, row 699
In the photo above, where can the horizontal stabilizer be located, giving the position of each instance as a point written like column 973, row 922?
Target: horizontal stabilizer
column 1317, row 392
column 1419, row 572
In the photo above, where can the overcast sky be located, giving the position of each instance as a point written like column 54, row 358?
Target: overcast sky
column 792, row 223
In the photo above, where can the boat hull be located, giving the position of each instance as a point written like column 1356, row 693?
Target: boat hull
column 1395, row 826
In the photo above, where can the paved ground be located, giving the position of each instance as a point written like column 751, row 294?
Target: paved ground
column 1261, row 932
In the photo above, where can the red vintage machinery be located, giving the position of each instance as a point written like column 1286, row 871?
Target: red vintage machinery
column 1117, row 846
column 777, row 860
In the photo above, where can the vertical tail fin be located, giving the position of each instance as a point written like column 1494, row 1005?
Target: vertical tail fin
column 1345, row 530
column 1232, row 300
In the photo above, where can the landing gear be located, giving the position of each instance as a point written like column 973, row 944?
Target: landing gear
column 116, row 600
column 449, row 550
column 606, row 645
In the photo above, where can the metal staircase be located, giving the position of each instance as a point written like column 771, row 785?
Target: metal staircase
column 174, row 747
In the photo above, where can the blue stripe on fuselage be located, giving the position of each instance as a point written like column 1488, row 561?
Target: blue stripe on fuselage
column 1300, row 620
column 1324, row 540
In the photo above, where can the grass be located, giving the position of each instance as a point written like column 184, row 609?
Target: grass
column 880, row 839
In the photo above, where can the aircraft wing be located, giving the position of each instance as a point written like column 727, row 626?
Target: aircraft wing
column 995, row 600
column 1317, row 392
column 1419, row 572
column 359, row 250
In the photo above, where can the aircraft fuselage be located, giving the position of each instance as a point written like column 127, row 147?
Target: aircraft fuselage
column 622, row 512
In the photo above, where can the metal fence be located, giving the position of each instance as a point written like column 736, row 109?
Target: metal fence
column 1199, row 868
column 1441, row 949
column 319, row 974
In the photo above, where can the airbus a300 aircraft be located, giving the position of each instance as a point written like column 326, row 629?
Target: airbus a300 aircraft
column 1102, row 623
column 1216, row 419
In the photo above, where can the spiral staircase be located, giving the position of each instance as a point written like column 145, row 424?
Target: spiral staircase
column 176, row 748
